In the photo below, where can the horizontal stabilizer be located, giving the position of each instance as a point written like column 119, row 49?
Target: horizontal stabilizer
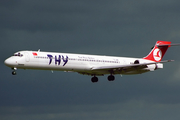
column 168, row 45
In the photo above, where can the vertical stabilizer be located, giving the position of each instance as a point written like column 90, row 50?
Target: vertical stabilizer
column 158, row 51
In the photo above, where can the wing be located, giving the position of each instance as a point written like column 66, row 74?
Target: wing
column 126, row 69
column 129, row 65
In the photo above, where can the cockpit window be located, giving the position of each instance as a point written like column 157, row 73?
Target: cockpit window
column 18, row 54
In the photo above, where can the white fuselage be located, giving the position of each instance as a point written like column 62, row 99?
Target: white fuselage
column 80, row 63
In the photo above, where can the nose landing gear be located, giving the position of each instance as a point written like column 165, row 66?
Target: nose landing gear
column 14, row 71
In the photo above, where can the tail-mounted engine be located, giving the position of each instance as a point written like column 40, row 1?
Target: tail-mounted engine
column 153, row 67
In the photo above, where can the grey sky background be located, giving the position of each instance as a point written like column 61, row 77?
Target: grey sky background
column 116, row 27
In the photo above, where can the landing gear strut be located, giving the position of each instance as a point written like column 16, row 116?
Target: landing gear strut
column 94, row 79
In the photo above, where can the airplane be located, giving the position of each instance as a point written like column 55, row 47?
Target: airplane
column 94, row 65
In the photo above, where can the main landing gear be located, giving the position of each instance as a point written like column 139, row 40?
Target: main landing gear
column 14, row 71
column 94, row 79
column 110, row 78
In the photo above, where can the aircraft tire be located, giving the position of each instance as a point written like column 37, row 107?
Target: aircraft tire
column 13, row 72
column 111, row 78
column 94, row 79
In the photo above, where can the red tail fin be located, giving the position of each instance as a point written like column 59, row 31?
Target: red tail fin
column 158, row 51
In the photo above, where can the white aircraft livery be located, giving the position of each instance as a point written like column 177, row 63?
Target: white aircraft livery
column 94, row 65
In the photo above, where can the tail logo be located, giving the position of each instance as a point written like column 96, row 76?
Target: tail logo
column 157, row 54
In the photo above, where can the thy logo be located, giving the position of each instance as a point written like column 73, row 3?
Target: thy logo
column 157, row 54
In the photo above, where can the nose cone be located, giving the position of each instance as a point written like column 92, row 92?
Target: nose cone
column 10, row 62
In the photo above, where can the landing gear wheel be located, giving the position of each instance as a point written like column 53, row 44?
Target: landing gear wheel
column 13, row 72
column 111, row 78
column 94, row 79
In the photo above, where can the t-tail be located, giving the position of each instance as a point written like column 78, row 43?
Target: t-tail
column 158, row 51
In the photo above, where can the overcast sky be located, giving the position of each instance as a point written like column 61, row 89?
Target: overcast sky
column 105, row 27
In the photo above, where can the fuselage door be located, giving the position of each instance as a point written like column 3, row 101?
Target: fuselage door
column 27, row 57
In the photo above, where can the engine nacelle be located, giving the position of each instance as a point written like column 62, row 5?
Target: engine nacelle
column 159, row 66
column 153, row 67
